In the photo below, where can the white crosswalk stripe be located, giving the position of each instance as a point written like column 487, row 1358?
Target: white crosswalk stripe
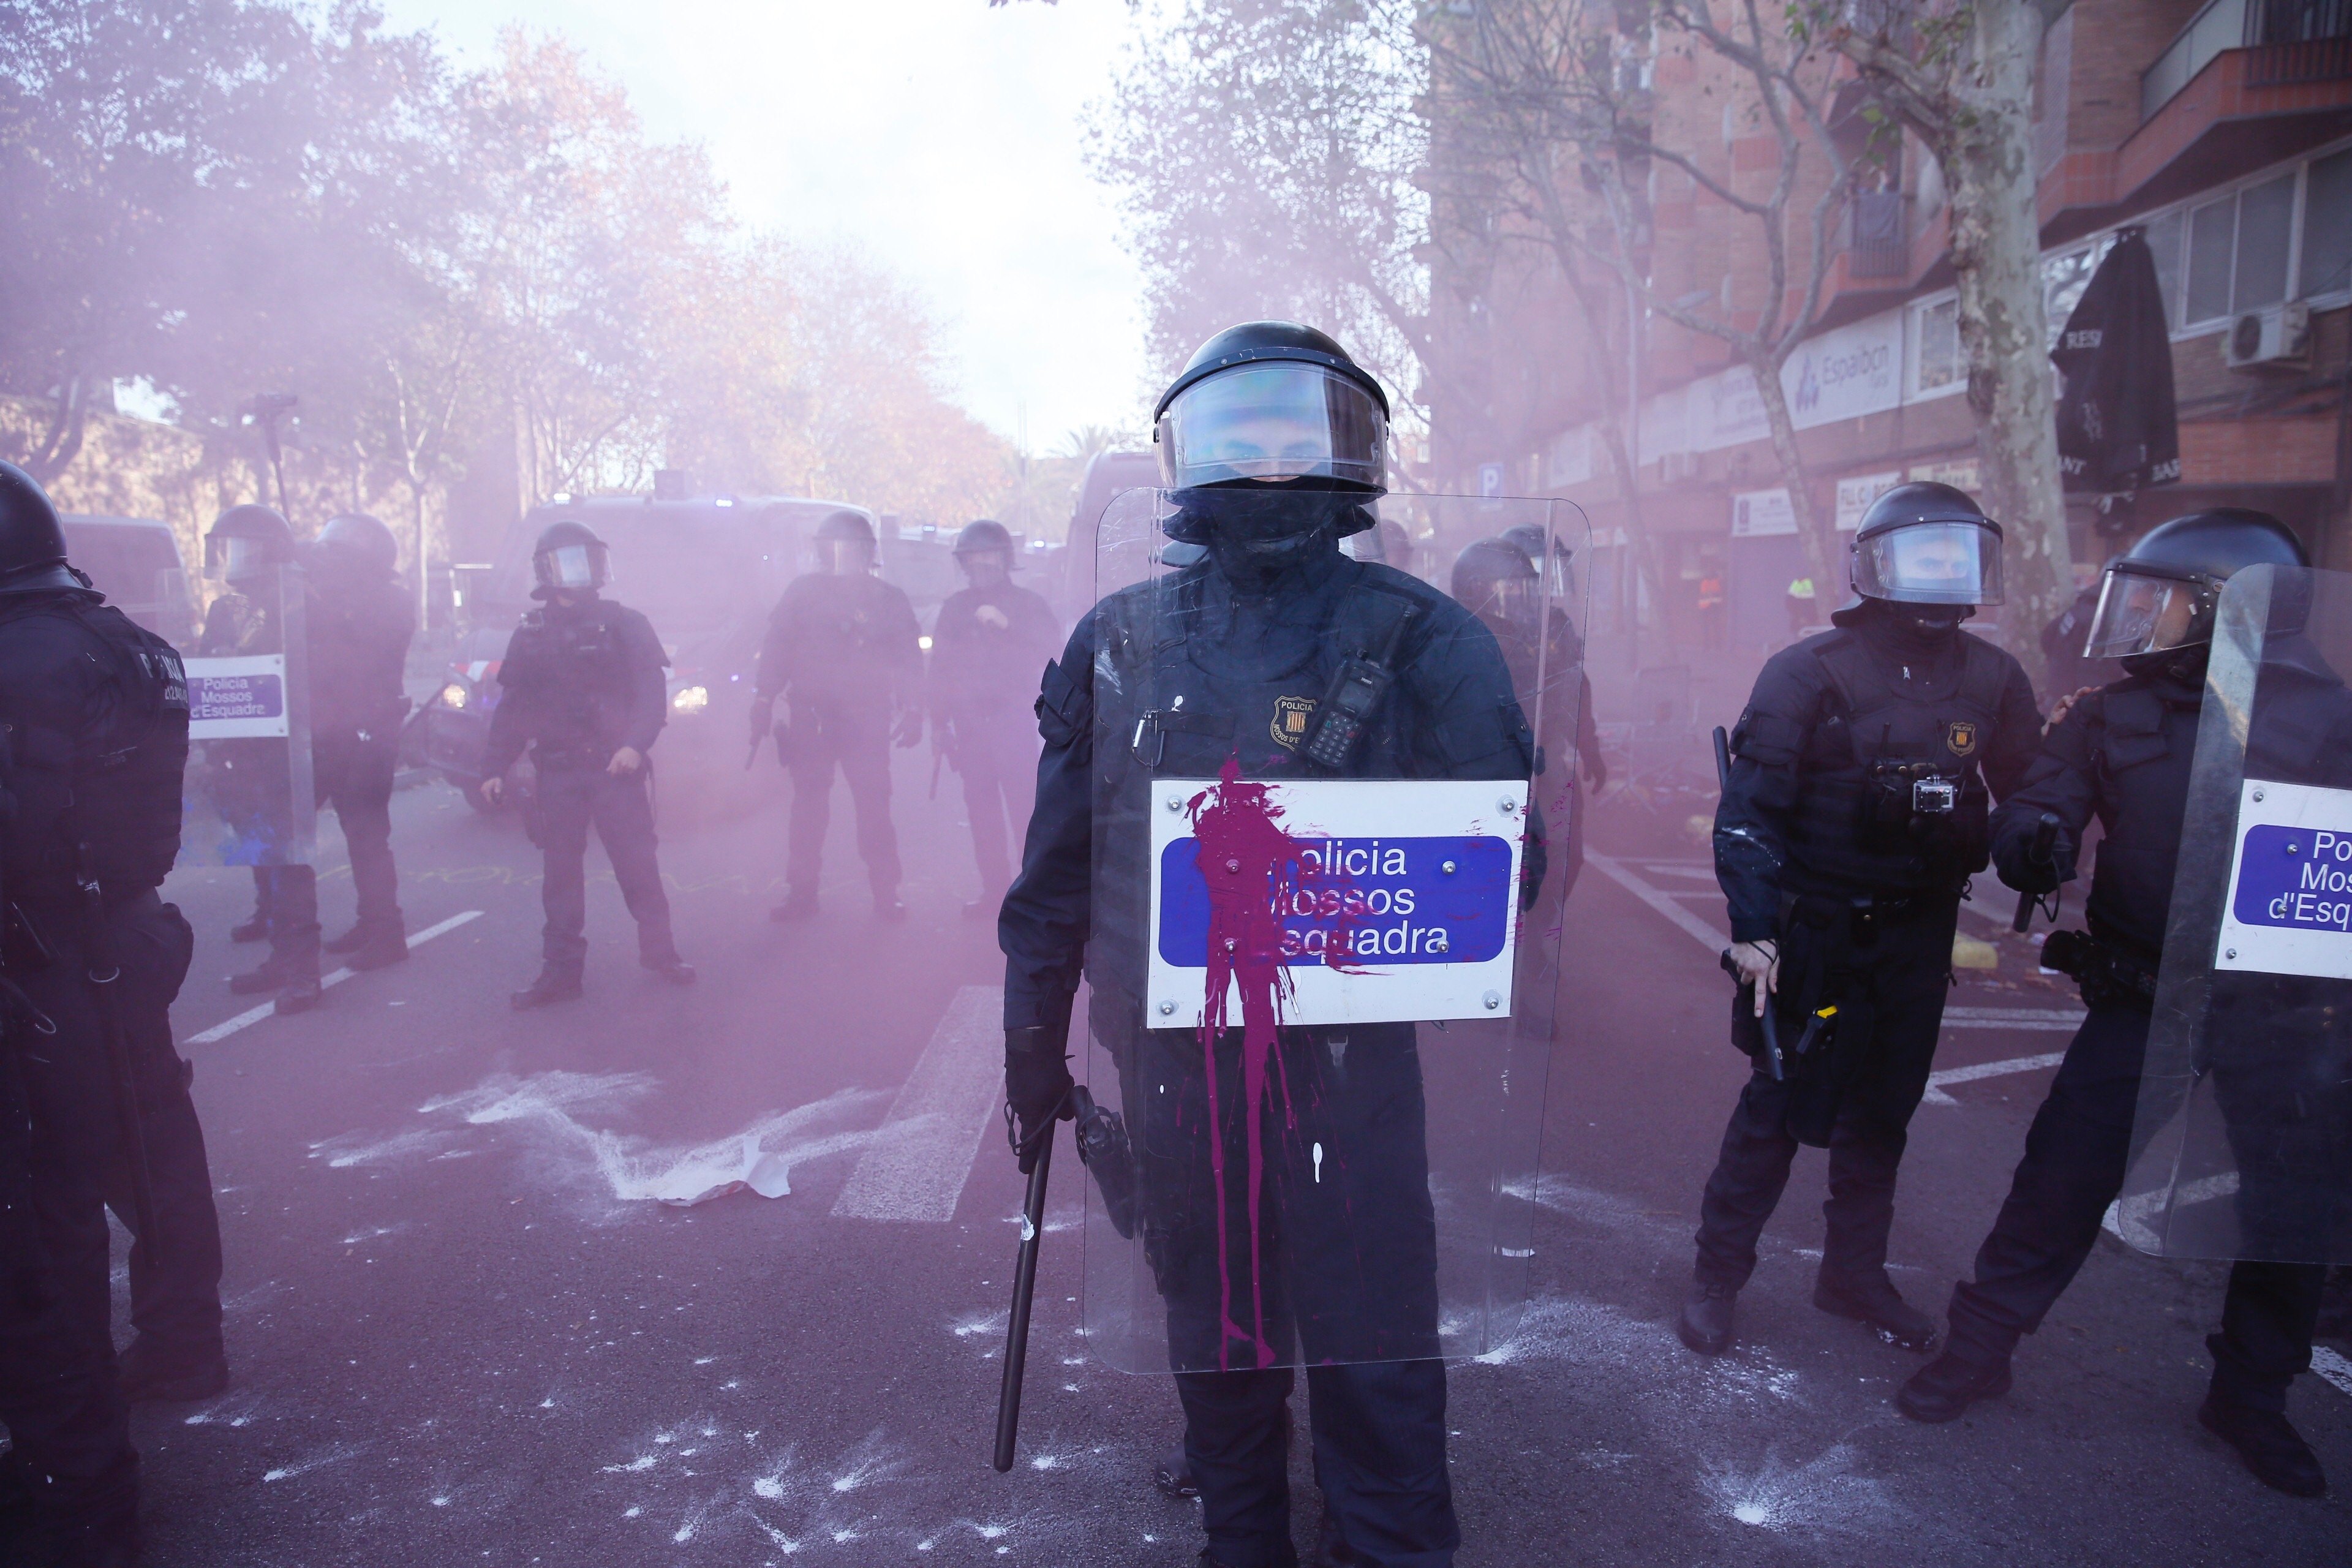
column 252, row 1016
column 916, row 1168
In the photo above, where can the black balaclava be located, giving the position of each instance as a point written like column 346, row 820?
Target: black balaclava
column 2176, row 667
column 1257, row 534
column 1918, row 631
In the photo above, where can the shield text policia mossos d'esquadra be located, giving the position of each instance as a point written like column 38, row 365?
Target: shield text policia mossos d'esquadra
column 1322, row 946
column 2243, row 1140
column 248, row 800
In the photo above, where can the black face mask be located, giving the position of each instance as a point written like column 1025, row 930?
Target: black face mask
column 1256, row 535
column 1918, row 628
column 2179, row 666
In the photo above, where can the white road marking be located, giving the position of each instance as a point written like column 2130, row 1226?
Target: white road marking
column 2061, row 1020
column 1697, row 930
column 2332, row 1366
column 916, row 1167
column 1938, row 1081
column 2126, row 1219
column 252, row 1016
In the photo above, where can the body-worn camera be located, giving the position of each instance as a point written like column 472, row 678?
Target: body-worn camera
column 1934, row 797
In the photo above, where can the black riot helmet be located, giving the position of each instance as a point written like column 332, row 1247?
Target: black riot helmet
column 1494, row 580
column 359, row 544
column 1544, row 549
column 844, row 544
column 32, row 541
column 983, row 548
column 246, row 541
column 1274, row 401
column 2160, row 594
column 568, row 558
column 1928, row 544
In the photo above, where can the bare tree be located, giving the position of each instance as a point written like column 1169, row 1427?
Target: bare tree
column 1961, row 75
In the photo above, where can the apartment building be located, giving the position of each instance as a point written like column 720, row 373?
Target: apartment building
column 2222, row 131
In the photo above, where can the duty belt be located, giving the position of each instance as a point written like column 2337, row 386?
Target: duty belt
column 2109, row 976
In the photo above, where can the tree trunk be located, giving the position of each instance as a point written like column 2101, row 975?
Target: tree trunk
column 1825, row 556
column 1996, row 247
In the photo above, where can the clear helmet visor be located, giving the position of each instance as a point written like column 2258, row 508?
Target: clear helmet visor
column 985, row 568
column 1940, row 563
column 843, row 557
column 1270, row 422
column 2141, row 614
column 1517, row 602
column 574, row 568
column 230, row 558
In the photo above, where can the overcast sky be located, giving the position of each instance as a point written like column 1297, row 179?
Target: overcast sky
column 941, row 136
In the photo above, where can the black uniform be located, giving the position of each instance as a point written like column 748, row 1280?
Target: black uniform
column 2124, row 755
column 358, row 632
column 843, row 649
column 1818, row 845
column 97, row 738
column 1242, row 662
column 989, row 646
column 584, row 679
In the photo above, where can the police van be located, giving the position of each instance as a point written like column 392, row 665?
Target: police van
column 706, row 571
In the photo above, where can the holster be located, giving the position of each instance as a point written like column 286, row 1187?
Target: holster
column 1824, row 943
column 2106, row 975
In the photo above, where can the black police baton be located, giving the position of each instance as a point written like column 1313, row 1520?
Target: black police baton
column 1722, row 760
column 2045, row 845
column 1771, row 1028
column 1024, row 1288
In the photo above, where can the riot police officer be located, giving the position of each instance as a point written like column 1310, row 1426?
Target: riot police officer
column 94, row 1105
column 584, row 691
column 358, row 621
column 1854, row 816
column 1272, row 439
column 1563, row 663
column 990, row 642
column 252, row 550
column 843, row 648
column 2123, row 754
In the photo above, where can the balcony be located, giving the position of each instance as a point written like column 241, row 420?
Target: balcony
column 2289, row 42
column 1880, row 243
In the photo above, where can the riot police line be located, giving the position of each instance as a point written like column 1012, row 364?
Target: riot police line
column 1298, row 1157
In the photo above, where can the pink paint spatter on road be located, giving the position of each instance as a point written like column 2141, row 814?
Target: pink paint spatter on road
column 1251, row 866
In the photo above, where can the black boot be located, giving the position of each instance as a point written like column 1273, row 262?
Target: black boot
column 553, row 984
column 255, row 930
column 1174, row 1478
column 797, row 906
column 351, row 941
column 1944, row 1389
column 1705, row 1322
column 379, row 948
column 270, row 975
column 1872, row 1298
column 299, row 994
column 147, row 1373
column 674, row 969
column 2269, row 1445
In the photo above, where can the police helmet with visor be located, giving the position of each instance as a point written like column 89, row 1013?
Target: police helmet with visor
column 246, row 541
column 1494, row 580
column 1926, row 543
column 844, row 544
column 2160, row 594
column 1272, row 400
column 983, row 548
column 361, row 541
column 570, row 559
column 32, row 539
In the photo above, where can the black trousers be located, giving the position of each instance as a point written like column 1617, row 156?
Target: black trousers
column 1864, row 1089
column 61, row 1162
column 996, row 758
column 569, row 800
column 2076, row 1154
column 826, row 735
column 354, row 776
column 1326, row 1252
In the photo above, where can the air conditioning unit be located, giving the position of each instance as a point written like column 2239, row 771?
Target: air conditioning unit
column 2278, row 338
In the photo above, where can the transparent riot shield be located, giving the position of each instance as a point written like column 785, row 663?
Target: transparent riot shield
column 248, row 799
column 1325, row 926
column 2243, row 1135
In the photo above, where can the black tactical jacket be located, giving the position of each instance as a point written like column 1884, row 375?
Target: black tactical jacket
column 1841, row 729
column 988, row 648
column 1250, row 671
column 95, row 711
column 358, row 635
column 581, row 682
column 850, row 639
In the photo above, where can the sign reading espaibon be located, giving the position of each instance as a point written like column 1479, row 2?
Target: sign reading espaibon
column 1390, row 901
column 2290, row 909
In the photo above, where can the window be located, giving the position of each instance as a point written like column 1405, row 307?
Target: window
column 1936, row 345
column 2265, row 226
column 2213, row 236
column 2327, row 226
column 2163, row 248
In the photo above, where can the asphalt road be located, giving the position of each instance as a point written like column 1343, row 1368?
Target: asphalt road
column 464, row 1329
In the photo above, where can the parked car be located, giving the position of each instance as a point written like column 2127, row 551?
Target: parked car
column 706, row 571
column 135, row 563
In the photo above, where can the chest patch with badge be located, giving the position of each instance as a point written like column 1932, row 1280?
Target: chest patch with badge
column 1960, row 738
column 1291, row 720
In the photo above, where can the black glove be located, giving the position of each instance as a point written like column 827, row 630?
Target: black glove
column 1037, row 1085
column 2013, row 857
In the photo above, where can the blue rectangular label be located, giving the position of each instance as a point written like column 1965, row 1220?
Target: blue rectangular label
column 2297, row 877
column 1384, row 902
column 220, row 697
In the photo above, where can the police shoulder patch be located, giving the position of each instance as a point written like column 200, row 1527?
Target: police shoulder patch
column 1290, row 717
column 1960, row 737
